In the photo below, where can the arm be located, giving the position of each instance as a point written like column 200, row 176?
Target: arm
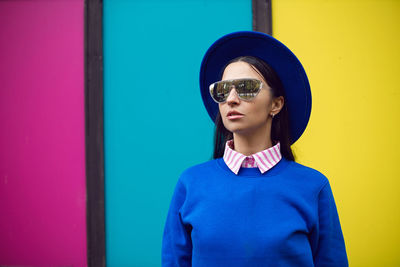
column 330, row 250
column 177, row 243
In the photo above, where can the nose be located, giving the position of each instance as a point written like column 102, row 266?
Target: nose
column 233, row 98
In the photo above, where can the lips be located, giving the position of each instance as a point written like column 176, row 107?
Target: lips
column 233, row 112
column 234, row 115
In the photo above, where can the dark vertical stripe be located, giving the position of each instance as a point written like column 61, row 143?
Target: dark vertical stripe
column 94, row 133
column 262, row 16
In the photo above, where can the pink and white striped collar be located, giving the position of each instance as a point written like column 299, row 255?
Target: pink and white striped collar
column 264, row 160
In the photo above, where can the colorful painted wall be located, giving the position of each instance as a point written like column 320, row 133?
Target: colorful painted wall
column 350, row 50
column 42, row 153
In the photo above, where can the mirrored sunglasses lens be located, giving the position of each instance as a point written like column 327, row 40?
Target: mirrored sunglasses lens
column 248, row 89
column 220, row 91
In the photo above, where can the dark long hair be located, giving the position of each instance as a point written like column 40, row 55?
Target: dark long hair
column 280, row 123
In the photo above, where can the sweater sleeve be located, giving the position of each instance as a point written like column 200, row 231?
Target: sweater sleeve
column 177, row 243
column 330, row 250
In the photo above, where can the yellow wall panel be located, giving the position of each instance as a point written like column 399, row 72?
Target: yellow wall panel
column 350, row 50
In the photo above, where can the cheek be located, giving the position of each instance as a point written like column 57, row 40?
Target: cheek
column 263, row 105
column 259, row 111
column 222, row 112
column 221, row 109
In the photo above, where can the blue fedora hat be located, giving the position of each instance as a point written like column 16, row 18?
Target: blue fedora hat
column 275, row 54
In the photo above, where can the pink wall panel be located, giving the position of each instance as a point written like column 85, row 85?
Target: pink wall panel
column 42, row 153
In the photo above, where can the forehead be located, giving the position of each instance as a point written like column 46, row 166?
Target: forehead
column 238, row 70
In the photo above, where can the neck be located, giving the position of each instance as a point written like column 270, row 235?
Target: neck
column 258, row 140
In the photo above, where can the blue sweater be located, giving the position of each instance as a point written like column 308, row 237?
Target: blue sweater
column 284, row 217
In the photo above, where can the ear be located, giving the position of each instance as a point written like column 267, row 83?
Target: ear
column 277, row 105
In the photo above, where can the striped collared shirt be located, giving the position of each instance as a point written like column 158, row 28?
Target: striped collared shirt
column 264, row 160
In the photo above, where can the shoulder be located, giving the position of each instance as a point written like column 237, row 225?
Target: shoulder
column 306, row 174
column 198, row 170
column 305, row 170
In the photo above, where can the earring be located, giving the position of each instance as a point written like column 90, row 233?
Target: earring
column 272, row 115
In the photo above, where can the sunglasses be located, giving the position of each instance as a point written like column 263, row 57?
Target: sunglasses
column 246, row 89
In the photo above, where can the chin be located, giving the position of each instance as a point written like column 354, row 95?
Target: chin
column 243, row 128
column 242, row 132
column 236, row 129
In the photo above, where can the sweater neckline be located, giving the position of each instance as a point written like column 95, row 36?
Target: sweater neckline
column 253, row 172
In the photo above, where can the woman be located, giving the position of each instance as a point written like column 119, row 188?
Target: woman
column 253, row 205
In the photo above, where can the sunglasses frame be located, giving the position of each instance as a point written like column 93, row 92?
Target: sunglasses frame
column 211, row 87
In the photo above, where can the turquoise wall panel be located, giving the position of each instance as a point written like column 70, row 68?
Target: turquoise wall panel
column 155, row 122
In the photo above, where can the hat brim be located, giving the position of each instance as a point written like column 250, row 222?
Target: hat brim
column 276, row 55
